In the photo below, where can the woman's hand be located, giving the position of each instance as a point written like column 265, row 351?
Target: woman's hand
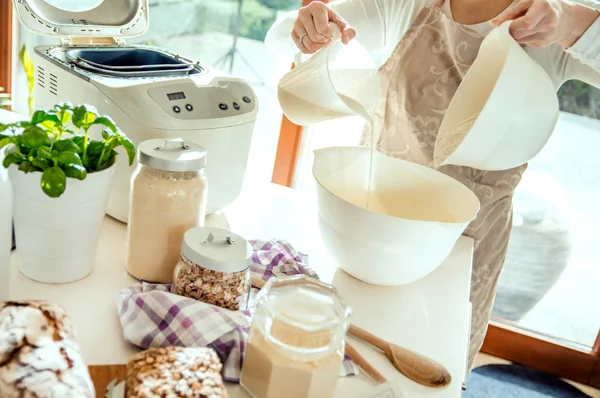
column 311, row 30
column 539, row 23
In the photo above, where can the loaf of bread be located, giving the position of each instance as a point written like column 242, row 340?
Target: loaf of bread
column 175, row 372
column 39, row 356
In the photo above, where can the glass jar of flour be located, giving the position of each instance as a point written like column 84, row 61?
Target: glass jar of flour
column 296, row 343
column 168, row 197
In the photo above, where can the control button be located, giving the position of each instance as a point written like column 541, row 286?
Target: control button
column 176, row 109
column 247, row 100
column 236, row 106
column 189, row 107
column 223, row 107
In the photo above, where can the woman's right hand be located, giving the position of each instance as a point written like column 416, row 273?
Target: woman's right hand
column 311, row 30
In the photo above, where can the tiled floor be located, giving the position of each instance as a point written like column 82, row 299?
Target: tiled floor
column 484, row 359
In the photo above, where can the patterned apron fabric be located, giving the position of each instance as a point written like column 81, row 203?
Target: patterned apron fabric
column 418, row 83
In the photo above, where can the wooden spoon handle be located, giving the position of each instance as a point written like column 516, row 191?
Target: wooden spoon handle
column 416, row 367
column 420, row 369
column 367, row 337
column 362, row 363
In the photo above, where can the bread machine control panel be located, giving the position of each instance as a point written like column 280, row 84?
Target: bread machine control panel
column 187, row 101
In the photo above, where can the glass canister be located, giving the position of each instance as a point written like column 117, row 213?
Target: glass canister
column 296, row 344
column 214, row 267
column 168, row 197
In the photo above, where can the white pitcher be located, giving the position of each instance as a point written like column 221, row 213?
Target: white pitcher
column 339, row 80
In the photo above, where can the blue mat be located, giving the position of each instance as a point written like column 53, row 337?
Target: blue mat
column 514, row 381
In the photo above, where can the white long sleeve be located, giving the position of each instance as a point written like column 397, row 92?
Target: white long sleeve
column 582, row 60
column 381, row 24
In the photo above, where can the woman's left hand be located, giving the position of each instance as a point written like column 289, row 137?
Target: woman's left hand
column 539, row 23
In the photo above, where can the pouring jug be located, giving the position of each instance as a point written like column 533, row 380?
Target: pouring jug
column 504, row 111
column 339, row 80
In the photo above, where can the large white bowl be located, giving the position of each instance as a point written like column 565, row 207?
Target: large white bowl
column 427, row 212
column 517, row 105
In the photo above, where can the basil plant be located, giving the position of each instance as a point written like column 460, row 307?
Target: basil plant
column 56, row 144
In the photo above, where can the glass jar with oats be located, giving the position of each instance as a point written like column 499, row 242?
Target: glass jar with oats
column 168, row 197
column 214, row 267
column 296, row 343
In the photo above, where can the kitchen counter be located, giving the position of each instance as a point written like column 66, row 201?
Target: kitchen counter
column 430, row 316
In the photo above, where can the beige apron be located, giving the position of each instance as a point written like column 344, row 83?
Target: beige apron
column 418, row 82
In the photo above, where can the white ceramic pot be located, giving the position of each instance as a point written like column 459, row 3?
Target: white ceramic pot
column 56, row 238
column 426, row 212
column 5, row 231
column 516, row 104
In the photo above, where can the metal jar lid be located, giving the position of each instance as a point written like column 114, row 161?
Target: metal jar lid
column 216, row 249
column 172, row 155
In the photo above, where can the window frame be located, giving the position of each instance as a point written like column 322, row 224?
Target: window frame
column 6, row 45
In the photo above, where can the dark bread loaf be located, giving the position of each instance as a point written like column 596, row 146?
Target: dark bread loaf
column 175, row 372
column 39, row 356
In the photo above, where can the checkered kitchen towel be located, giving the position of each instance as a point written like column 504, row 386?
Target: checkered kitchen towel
column 151, row 316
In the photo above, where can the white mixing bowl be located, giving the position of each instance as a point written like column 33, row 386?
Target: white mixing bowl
column 517, row 105
column 426, row 210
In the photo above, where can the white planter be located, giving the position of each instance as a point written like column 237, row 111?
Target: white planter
column 56, row 238
column 5, row 231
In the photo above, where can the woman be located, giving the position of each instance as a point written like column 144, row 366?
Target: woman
column 427, row 47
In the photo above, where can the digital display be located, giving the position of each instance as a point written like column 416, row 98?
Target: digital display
column 176, row 96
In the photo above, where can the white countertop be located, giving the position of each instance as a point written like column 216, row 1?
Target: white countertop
column 429, row 316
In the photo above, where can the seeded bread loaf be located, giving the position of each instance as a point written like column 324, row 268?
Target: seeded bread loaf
column 38, row 353
column 175, row 372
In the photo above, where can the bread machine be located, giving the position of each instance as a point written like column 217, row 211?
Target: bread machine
column 148, row 91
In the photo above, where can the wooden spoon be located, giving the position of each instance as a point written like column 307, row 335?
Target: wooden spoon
column 416, row 367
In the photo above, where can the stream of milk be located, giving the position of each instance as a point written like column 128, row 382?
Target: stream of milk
column 361, row 111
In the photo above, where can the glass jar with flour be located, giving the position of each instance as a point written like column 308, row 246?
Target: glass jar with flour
column 168, row 197
column 296, row 343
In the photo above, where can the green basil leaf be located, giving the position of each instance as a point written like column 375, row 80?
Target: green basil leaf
column 23, row 124
column 32, row 137
column 50, row 121
column 43, row 152
column 41, row 163
column 78, row 140
column 12, row 158
column 69, row 158
column 75, row 171
column 31, row 153
column 108, row 134
column 63, row 106
column 95, row 148
column 3, row 127
column 27, row 167
column 64, row 110
column 54, row 182
column 128, row 145
column 38, row 117
column 84, row 116
column 106, row 121
column 5, row 140
column 66, row 144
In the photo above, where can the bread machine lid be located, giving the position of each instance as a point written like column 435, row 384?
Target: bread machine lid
column 93, row 19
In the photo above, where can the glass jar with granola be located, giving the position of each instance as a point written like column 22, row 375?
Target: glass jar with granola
column 214, row 267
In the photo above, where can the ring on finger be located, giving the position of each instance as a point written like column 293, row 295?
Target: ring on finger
column 302, row 37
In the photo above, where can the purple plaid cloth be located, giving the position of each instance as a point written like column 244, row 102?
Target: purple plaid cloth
column 151, row 316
